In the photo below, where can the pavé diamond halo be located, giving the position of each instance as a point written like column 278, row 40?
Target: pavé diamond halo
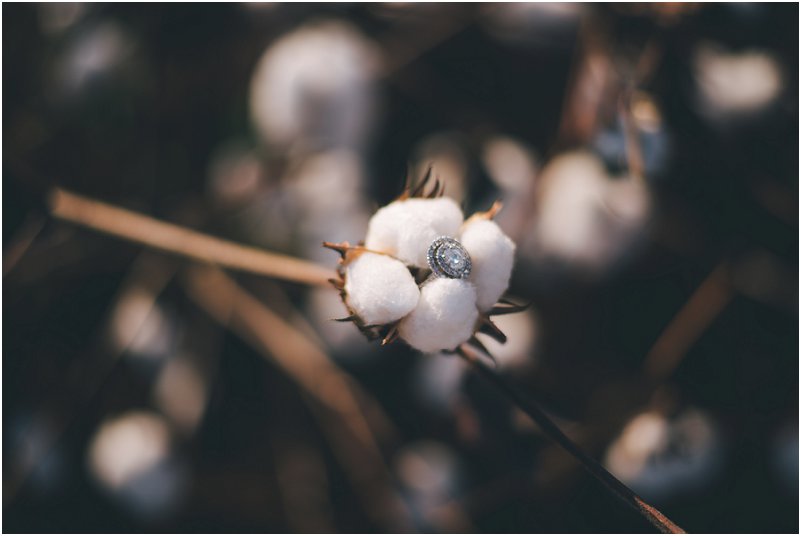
column 448, row 258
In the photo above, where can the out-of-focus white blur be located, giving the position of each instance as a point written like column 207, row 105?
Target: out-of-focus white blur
column 326, row 191
column 313, row 88
column 660, row 457
column 91, row 53
column 141, row 327
column 56, row 17
column 586, row 218
column 735, row 83
column 429, row 470
column 181, row 392
column 131, row 457
column 539, row 24
column 438, row 381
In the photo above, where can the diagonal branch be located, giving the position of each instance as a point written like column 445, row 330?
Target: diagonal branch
column 172, row 238
column 620, row 490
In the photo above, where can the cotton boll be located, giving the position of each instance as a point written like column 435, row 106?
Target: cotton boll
column 379, row 289
column 493, row 255
column 444, row 317
column 406, row 228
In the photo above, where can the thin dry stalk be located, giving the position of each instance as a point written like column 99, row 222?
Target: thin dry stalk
column 631, row 135
column 21, row 242
column 151, row 272
column 618, row 489
column 335, row 396
column 178, row 240
column 703, row 307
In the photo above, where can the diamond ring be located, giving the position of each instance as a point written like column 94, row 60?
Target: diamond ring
column 448, row 258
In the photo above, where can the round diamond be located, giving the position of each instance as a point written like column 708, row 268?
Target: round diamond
column 448, row 258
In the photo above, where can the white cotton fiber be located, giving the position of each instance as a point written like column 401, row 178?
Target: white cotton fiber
column 379, row 289
column 493, row 256
column 406, row 228
column 444, row 318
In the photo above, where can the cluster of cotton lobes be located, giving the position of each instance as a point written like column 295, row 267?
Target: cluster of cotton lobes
column 443, row 312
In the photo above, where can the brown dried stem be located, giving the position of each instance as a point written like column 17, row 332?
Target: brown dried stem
column 172, row 238
column 336, row 397
column 620, row 490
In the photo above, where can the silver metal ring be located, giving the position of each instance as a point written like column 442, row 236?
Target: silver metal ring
column 448, row 258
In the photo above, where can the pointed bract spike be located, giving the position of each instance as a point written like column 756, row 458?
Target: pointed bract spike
column 340, row 248
column 338, row 284
column 435, row 191
column 391, row 336
column 462, row 352
column 489, row 328
column 420, row 188
column 476, row 356
column 496, row 311
column 478, row 344
column 494, row 209
column 351, row 318
column 427, row 176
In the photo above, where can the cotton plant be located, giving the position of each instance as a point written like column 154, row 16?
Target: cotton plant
column 427, row 276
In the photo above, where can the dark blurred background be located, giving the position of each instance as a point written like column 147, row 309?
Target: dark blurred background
column 647, row 156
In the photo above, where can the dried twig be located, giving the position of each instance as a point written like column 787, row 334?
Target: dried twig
column 150, row 272
column 620, row 490
column 703, row 307
column 336, row 397
column 151, row 232
column 21, row 242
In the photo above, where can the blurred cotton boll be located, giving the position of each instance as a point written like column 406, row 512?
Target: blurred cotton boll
column 314, row 88
column 510, row 164
column 660, row 457
column 57, row 17
column 141, row 327
column 326, row 192
column 132, row 458
column 586, row 219
column 93, row 52
column 181, row 392
column 513, row 168
column 538, row 24
column 732, row 84
column 438, row 381
column 429, row 471
column 235, row 176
